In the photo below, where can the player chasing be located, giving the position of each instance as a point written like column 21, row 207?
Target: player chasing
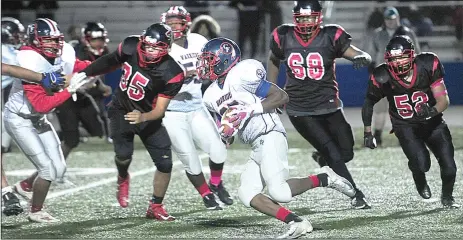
column 309, row 51
column 414, row 86
column 187, row 121
column 236, row 96
column 151, row 78
column 27, row 106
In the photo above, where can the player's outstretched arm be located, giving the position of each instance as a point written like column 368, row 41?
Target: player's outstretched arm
column 104, row 64
column 48, row 80
column 357, row 56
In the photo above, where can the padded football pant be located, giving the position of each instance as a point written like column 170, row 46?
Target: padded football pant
column 267, row 166
column 332, row 136
column 152, row 133
column 38, row 140
column 6, row 139
column 70, row 113
column 436, row 135
column 190, row 129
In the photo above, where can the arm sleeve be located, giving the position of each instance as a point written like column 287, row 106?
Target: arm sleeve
column 40, row 101
column 438, row 71
column 342, row 41
column 275, row 45
column 80, row 65
column 374, row 94
column 112, row 61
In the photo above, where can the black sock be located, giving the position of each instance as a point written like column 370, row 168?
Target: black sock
column 292, row 217
column 215, row 166
column 323, row 179
column 156, row 200
column 122, row 167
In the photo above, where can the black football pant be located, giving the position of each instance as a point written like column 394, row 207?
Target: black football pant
column 332, row 136
column 436, row 135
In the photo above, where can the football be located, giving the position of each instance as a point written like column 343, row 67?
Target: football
column 227, row 126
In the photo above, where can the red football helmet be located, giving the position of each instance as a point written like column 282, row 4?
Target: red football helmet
column 179, row 19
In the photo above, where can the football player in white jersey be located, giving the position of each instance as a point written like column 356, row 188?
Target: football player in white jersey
column 187, row 121
column 11, row 204
column 24, row 113
column 241, row 93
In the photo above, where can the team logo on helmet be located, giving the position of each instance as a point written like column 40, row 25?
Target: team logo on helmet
column 150, row 39
column 395, row 52
column 226, row 48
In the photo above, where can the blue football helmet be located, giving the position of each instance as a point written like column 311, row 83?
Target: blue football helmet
column 217, row 57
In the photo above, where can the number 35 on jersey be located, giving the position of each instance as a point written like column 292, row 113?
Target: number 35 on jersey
column 308, row 67
column 133, row 85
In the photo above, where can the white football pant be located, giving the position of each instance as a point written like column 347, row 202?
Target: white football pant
column 267, row 166
column 190, row 129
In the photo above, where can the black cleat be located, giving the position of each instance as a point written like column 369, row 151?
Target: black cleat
column 425, row 191
column 211, row 203
column 359, row 201
column 378, row 136
column 317, row 157
column 222, row 193
column 449, row 202
column 12, row 205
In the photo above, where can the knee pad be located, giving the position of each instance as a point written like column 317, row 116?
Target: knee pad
column 191, row 163
column 162, row 159
column 279, row 191
column 123, row 161
column 246, row 192
column 218, row 153
column 71, row 139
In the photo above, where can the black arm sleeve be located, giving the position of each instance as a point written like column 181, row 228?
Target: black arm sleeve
column 367, row 111
column 104, row 64
column 374, row 94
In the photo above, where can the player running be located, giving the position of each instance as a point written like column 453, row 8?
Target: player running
column 241, row 93
column 414, row 86
column 187, row 121
column 309, row 51
column 151, row 77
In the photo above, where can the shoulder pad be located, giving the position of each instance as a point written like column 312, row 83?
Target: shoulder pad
column 381, row 73
column 426, row 56
column 332, row 27
column 129, row 44
column 284, row 28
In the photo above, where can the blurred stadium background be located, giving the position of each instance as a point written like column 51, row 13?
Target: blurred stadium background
column 89, row 208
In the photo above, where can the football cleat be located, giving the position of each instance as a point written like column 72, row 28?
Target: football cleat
column 359, row 201
column 42, row 217
column 297, row 229
column 158, row 212
column 11, row 204
column 123, row 191
column 425, row 191
column 222, row 193
column 449, row 202
column 23, row 190
column 338, row 183
column 210, row 203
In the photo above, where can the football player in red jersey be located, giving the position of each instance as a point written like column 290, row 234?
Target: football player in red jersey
column 151, row 77
column 309, row 51
column 414, row 87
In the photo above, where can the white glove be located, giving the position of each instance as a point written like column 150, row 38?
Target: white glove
column 77, row 81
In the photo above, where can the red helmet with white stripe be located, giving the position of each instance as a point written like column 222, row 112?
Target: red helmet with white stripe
column 178, row 19
column 45, row 36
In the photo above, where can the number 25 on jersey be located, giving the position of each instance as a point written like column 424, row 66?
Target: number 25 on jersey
column 314, row 62
column 135, row 85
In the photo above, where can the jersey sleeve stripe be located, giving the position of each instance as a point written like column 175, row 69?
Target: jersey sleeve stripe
column 437, row 83
column 338, row 34
column 165, row 96
column 434, row 65
column 443, row 93
column 276, row 37
column 119, row 49
column 177, row 78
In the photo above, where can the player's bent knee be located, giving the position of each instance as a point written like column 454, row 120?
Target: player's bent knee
column 450, row 171
column 347, row 156
column 60, row 169
column 280, row 192
column 191, row 163
column 218, row 154
column 246, row 193
column 162, row 159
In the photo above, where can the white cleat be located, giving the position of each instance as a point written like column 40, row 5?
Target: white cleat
column 297, row 229
column 42, row 217
column 338, row 183
column 23, row 193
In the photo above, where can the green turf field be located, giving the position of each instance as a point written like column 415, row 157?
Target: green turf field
column 90, row 210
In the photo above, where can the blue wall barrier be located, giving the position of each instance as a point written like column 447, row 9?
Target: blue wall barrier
column 353, row 83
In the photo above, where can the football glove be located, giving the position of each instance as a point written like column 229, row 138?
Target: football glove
column 53, row 80
column 369, row 140
column 423, row 110
column 77, row 81
column 361, row 61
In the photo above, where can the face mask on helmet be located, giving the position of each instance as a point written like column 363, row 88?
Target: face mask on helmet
column 96, row 42
column 50, row 46
column 307, row 23
column 151, row 51
column 205, row 66
column 399, row 62
column 178, row 25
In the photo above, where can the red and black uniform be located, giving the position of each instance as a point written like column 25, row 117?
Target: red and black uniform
column 314, row 107
column 139, row 88
column 413, row 132
column 89, row 108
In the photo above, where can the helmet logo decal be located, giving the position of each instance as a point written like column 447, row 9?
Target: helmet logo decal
column 226, row 48
column 396, row 52
column 169, row 34
column 150, row 39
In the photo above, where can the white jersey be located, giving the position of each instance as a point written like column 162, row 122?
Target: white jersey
column 189, row 98
column 32, row 60
column 8, row 57
column 240, row 86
